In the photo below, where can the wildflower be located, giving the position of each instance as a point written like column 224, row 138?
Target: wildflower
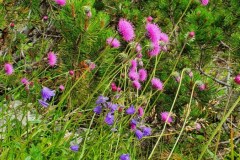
column 190, row 74
column 140, row 111
column 155, row 49
column 113, row 107
column 43, row 103
column 25, row 81
column 92, row 66
column 153, row 32
column 125, row 28
column 139, row 55
column 149, row 19
column 124, row 157
column 191, row 34
column 237, row 79
column 113, row 87
column 136, row 84
column 138, row 48
column 202, row 87
column 133, row 121
column 176, row 76
column 61, row 2
column 142, row 75
column 164, row 38
column 74, row 148
column 146, row 131
column 71, row 72
column 109, row 119
column 133, row 65
column 133, row 124
column 197, row 126
column 97, row 109
column 130, row 110
column 157, row 84
column 165, row 117
column 101, row 99
column 52, row 59
column 12, row 25
column 204, row 2
column 113, row 42
column 133, row 75
column 89, row 14
column 61, row 87
column 47, row 93
column 139, row 134
column 8, row 68
column 45, row 18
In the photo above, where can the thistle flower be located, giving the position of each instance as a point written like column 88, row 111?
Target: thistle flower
column 155, row 49
column 164, row 38
column 142, row 75
column 133, row 65
column 8, row 68
column 47, row 93
column 130, row 110
column 12, row 24
column 101, row 99
column 71, row 72
column 139, row 134
column 202, row 87
column 25, row 81
column 198, row 126
column 61, row 2
column 61, row 87
column 204, row 2
column 133, row 75
column 92, row 66
column 113, row 42
column 191, row 34
column 146, row 131
column 190, row 74
column 237, row 79
column 89, row 14
column 140, row 111
column 112, row 107
column 153, row 32
column 124, row 157
column 165, row 117
column 125, row 28
column 149, row 19
column 136, row 84
column 157, row 84
column 43, row 103
column 138, row 48
column 109, row 119
column 74, row 148
column 139, row 55
column 97, row 109
column 52, row 59
column 45, row 18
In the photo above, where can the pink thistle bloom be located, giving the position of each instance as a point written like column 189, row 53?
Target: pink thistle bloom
column 133, row 75
column 113, row 42
column 92, row 66
column 164, row 38
column 71, row 72
column 149, row 19
column 25, row 81
column 190, row 74
column 202, row 87
column 142, row 75
column 61, row 87
column 165, row 117
column 45, row 18
column 136, row 84
column 113, row 87
column 191, row 34
column 61, row 2
column 153, row 32
column 204, row 2
column 237, row 79
column 157, row 84
column 133, row 65
column 52, row 59
column 8, row 68
column 125, row 28
column 89, row 14
column 155, row 50
column 198, row 126
column 138, row 48
column 140, row 111
column 12, row 24
column 139, row 55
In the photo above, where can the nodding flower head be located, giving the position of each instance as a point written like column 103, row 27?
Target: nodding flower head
column 153, row 32
column 124, row 157
column 74, row 148
column 155, row 49
column 166, row 117
column 47, row 93
column 113, row 42
column 126, row 29
column 157, row 84
column 97, row 109
column 61, row 87
column 43, row 103
column 136, row 84
column 146, row 131
column 101, row 99
column 202, row 87
column 8, row 68
column 109, row 119
column 139, row 134
column 130, row 110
